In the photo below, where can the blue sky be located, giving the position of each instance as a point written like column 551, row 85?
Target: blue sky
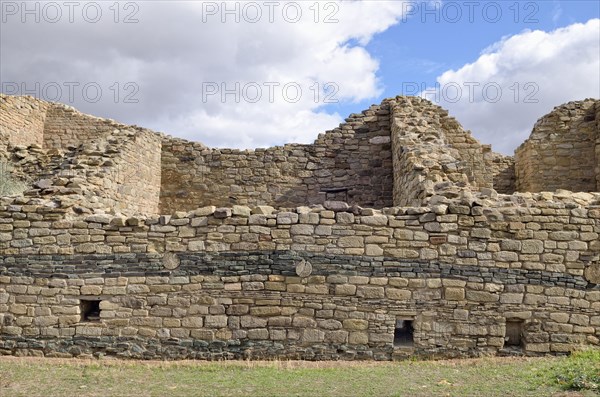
column 171, row 65
column 423, row 45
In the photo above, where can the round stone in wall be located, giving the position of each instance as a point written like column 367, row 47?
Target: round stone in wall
column 303, row 268
column 592, row 273
column 170, row 261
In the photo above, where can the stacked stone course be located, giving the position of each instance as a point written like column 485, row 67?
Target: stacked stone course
column 257, row 256
column 561, row 151
column 351, row 163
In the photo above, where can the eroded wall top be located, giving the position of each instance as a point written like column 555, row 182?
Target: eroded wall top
column 561, row 151
column 351, row 163
column 22, row 121
column 404, row 152
column 89, row 162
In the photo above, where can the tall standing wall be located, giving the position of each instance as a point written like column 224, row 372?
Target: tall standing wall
column 560, row 153
column 22, row 120
column 351, row 163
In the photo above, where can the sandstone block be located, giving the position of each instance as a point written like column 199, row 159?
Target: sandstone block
column 532, row 247
column 312, row 335
column 241, row 210
column 351, row 242
column 344, row 218
column 355, row 324
column 303, row 322
column 216, row 321
column 263, row 210
column 336, row 336
column 482, row 296
column 358, row 338
column 192, row 322
column 511, row 298
column 265, row 311
column 330, row 324
column 454, row 294
column 370, row 292
column 258, row 334
column 398, row 294
column 306, row 230
column 287, row 218
column 373, row 250
column 345, row 289
column 375, row 220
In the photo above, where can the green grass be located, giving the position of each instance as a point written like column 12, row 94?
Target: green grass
column 580, row 372
column 550, row 376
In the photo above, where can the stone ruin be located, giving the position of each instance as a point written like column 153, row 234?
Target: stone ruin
column 396, row 234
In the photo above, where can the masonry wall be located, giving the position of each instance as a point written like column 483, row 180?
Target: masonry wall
column 503, row 172
column 65, row 126
column 313, row 283
column 471, row 152
column 560, row 153
column 22, row 120
column 120, row 172
column 597, row 170
column 425, row 162
column 353, row 163
column 134, row 178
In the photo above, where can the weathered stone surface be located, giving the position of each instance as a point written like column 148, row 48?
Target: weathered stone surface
column 445, row 243
column 592, row 273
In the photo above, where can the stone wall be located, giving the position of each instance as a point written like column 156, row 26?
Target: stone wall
column 597, row 170
column 121, row 173
column 444, row 267
column 92, row 161
column 65, row 127
column 471, row 152
column 503, row 172
column 312, row 283
column 351, row 163
column 560, row 152
column 134, row 178
column 21, row 121
column 425, row 159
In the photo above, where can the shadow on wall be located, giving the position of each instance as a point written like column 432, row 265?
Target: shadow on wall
column 361, row 162
column 352, row 163
column 562, row 151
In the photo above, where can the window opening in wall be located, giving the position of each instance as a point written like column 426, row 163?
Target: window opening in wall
column 514, row 331
column 403, row 334
column 89, row 309
column 331, row 192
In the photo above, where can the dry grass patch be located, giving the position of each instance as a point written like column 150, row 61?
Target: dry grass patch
column 32, row 377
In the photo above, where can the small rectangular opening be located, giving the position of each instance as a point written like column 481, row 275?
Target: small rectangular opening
column 514, row 331
column 404, row 332
column 90, row 310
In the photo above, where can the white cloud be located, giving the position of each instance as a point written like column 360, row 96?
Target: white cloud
column 178, row 49
column 535, row 71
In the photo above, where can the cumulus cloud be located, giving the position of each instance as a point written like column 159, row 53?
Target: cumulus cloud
column 519, row 79
column 224, row 73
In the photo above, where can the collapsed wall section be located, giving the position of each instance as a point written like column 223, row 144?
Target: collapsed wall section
column 87, row 161
column 472, row 153
column 560, row 153
column 351, row 163
column 120, row 173
column 432, row 154
column 21, row 121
